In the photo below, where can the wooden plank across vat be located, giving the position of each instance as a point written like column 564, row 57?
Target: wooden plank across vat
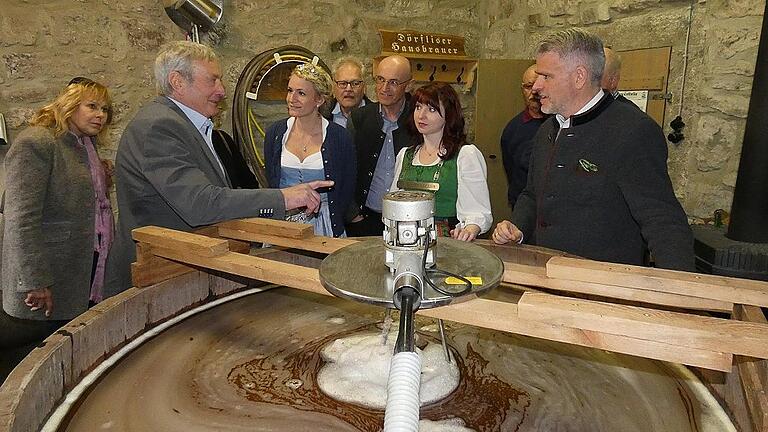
column 312, row 243
column 478, row 312
column 523, row 265
column 270, row 227
column 156, row 269
column 537, row 276
column 527, row 265
column 234, row 245
column 725, row 289
column 753, row 374
column 673, row 328
column 504, row 316
column 295, row 276
column 166, row 237
column 150, row 269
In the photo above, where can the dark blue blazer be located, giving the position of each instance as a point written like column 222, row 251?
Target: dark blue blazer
column 339, row 162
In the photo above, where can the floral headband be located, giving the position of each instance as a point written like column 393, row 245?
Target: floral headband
column 316, row 75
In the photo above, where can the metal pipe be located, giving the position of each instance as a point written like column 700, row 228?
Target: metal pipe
column 447, row 353
column 405, row 332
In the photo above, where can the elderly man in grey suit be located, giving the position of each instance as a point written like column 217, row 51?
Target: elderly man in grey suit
column 167, row 172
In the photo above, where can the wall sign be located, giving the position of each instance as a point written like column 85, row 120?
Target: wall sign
column 411, row 43
column 638, row 97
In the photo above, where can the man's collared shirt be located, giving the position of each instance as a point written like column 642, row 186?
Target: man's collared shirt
column 338, row 116
column 204, row 125
column 385, row 165
column 566, row 122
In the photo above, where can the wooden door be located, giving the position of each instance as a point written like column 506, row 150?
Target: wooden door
column 498, row 100
column 647, row 70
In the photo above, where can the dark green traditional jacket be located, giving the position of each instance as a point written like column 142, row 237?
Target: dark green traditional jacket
column 600, row 189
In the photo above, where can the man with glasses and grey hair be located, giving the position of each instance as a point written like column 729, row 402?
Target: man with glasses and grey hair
column 349, row 90
column 167, row 171
column 598, row 185
column 379, row 131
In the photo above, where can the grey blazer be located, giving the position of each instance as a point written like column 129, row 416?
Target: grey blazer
column 47, row 224
column 167, row 176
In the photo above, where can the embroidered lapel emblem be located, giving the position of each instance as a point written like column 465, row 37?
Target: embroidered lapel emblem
column 587, row 165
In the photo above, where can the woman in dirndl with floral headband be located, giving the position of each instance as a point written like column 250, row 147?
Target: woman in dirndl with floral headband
column 306, row 147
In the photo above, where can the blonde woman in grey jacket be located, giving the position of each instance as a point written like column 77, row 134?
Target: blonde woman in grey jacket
column 57, row 221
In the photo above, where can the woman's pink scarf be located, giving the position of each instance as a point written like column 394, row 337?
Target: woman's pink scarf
column 103, row 220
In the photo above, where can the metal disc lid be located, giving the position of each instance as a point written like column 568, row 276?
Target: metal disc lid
column 358, row 272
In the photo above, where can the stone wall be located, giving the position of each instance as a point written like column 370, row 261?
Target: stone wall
column 46, row 42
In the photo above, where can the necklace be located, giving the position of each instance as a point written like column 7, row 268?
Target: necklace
column 309, row 137
column 306, row 131
column 429, row 153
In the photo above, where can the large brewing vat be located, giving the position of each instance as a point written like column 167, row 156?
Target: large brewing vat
column 251, row 365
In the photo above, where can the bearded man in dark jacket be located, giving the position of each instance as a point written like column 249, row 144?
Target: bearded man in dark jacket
column 598, row 184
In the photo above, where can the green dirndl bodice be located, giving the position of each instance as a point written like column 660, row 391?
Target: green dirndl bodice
column 440, row 179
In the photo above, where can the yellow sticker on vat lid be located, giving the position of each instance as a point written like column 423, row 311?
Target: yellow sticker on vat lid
column 476, row 280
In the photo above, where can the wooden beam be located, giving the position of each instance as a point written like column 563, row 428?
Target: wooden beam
column 537, row 276
column 504, row 317
column 479, row 312
column 150, row 269
column 749, row 313
column 754, row 388
column 732, row 290
column 295, row 276
column 753, row 374
column 320, row 244
column 673, row 328
column 532, row 273
column 524, row 265
column 270, row 227
column 143, row 253
column 156, row 269
column 527, row 265
column 169, row 238
column 234, row 245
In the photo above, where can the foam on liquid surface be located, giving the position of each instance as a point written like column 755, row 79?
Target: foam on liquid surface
column 357, row 370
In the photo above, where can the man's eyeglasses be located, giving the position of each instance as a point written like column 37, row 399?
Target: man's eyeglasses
column 381, row 81
column 354, row 84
